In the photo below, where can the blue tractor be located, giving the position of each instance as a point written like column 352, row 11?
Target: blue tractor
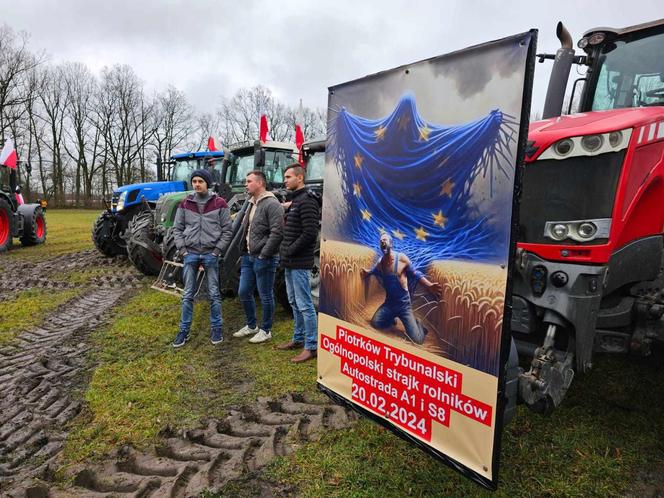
column 131, row 208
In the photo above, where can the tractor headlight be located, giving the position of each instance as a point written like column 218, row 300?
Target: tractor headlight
column 162, row 218
column 559, row 231
column 615, row 138
column 588, row 145
column 578, row 230
column 587, row 230
column 564, row 147
column 121, row 201
column 592, row 143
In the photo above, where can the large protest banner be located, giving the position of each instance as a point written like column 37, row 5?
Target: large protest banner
column 417, row 242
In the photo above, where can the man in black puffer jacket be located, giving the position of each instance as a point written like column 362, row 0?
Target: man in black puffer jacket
column 297, row 258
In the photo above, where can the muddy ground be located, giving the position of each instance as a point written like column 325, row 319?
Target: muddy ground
column 43, row 376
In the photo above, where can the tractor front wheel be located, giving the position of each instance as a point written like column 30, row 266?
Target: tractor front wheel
column 35, row 233
column 142, row 250
column 6, row 225
column 105, row 236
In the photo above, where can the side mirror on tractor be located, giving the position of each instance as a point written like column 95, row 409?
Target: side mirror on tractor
column 259, row 155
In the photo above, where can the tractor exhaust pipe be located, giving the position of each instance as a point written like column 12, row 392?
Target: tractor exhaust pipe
column 555, row 93
column 160, row 169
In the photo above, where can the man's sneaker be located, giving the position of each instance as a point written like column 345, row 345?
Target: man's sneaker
column 261, row 336
column 215, row 336
column 245, row 331
column 181, row 339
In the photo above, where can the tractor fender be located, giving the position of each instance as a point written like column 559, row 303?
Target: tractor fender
column 27, row 212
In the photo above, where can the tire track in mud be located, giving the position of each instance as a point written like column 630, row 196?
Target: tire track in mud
column 186, row 463
column 38, row 373
column 24, row 275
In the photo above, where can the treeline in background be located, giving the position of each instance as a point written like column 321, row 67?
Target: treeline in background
column 82, row 134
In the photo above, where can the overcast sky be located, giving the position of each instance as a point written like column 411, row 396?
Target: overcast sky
column 209, row 49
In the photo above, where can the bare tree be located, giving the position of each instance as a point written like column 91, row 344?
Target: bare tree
column 129, row 125
column 52, row 112
column 16, row 62
column 82, row 136
column 240, row 116
column 173, row 122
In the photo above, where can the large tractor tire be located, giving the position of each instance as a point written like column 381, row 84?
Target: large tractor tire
column 280, row 292
column 169, row 251
column 142, row 250
column 6, row 225
column 105, row 238
column 34, row 226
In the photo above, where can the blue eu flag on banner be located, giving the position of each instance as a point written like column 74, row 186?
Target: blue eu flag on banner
column 413, row 179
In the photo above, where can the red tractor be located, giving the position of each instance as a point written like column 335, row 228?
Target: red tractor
column 18, row 219
column 588, row 275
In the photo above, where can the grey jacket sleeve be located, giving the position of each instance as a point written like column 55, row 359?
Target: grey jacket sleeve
column 226, row 230
column 275, row 214
column 178, row 228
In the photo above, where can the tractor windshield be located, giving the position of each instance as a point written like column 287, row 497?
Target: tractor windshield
column 240, row 167
column 276, row 161
column 630, row 72
column 185, row 167
column 315, row 166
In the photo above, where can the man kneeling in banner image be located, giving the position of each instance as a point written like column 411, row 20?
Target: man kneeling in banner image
column 399, row 279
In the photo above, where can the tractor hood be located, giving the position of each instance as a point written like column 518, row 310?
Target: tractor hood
column 544, row 133
column 152, row 187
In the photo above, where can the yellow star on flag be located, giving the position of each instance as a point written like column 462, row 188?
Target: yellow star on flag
column 439, row 218
column 380, row 133
column 358, row 160
column 398, row 234
column 357, row 189
column 366, row 215
column 421, row 234
column 381, row 230
column 447, row 187
column 424, row 133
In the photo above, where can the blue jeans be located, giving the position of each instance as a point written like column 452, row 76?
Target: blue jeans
column 191, row 264
column 304, row 313
column 387, row 314
column 255, row 272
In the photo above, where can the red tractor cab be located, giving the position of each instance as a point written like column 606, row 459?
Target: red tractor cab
column 588, row 274
column 18, row 219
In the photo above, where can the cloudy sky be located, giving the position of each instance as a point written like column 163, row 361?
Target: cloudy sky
column 297, row 48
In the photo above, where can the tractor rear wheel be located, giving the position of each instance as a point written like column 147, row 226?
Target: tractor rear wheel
column 144, row 254
column 35, row 234
column 6, row 225
column 104, row 236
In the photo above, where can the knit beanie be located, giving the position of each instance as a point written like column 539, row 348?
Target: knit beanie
column 204, row 174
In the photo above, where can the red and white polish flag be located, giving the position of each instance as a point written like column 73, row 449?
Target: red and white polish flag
column 8, row 155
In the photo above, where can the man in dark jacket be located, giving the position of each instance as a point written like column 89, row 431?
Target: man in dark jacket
column 261, row 236
column 297, row 258
column 202, row 232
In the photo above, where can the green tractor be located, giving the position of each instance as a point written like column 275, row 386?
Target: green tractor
column 270, row 157
column 142, row 241
column 18, row 219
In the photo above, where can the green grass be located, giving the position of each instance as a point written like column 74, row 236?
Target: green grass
column 28, row 309
column 609, row 429
column 68, row 230
column 142, row 385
